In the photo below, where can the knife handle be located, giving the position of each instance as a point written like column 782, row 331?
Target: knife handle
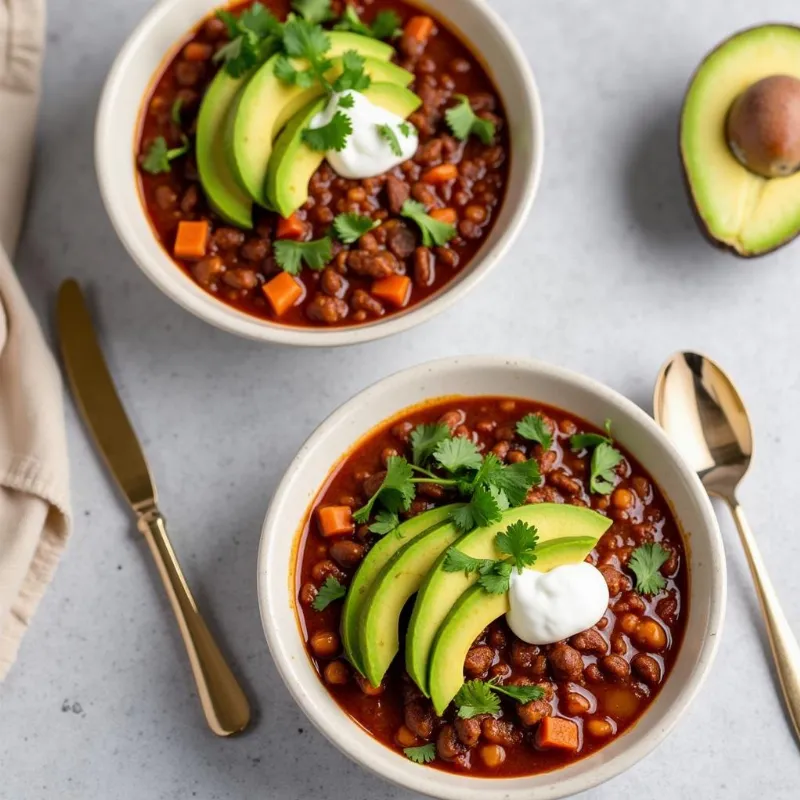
column 224, row 703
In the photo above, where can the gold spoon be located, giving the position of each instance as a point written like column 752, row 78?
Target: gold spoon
column 701, row 411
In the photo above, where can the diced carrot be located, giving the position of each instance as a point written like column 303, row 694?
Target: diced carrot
column 419, row 28
column 291, row 227
column 395, row 289
column 335, row 520
column 192, row 239
column 282, row 292
column 555, row 733
column 440, row 174
column 447, row 215
column 197, row 51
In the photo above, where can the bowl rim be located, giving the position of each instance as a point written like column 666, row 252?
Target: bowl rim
column 464, row 786
column 234, row 321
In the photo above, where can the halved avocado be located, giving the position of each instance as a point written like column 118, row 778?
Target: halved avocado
column 737, row 208
column 441, row 590
column 370, row 568
column 475, row 609
column 379, row 624
column 266, row 104
column 219, row 184
column 292, row 162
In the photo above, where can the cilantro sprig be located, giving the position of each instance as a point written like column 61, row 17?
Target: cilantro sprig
column 353, row 77
column 534, row 428
column 421, row 755
column 605, row 458
column 388, row 135
column 518, row 542
column 586, row 441
column 386, row 24
column 480, row 697
column 385, row 522
column 254, row 36
column 313, row 11
column 463, row 121
column 351, row 227
column 434, row 233
column 159, row 156
column 645, row 563
column 290, row 255
column 331, row 136
column 425, row 439
column 329, row 592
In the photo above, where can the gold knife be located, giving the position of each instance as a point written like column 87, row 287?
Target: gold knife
column 224, row 703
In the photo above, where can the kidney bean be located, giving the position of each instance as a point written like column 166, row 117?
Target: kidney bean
column 589, row 641
column 240, row 278
column 325, row 568
column 478, row 660
column 418, row 717
column 649, row 635
column 468, row 731
column 500, row 732
column 332, row 283
column 534, row 712
column 228, row 238
column 346, row 553
column 364, row 301
column 667, row 609
column 397, row 192
column 647, row 668
column 308, row 593
column 206, row 270
column 255, row 249
column 373, row 265
column 327, row 309
column 575, row 704
column 566, row 663
column 617, row 582
column 165, row 197
column 401, row 241
column 190, row 199
column 615, row 666
column 447, row 744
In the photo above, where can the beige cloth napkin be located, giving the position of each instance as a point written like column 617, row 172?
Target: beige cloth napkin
column 34, row 496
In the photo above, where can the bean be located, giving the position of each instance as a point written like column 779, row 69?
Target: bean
column 336, row 673
column 478, row 660
column 327, row 309
column 575, row 704
column 255, row 249
column 647, row 668
column 493, row 755
column 324, row 644
column 228, row 238
column 532, row 713
column 332, row 283
column 207, row 269
column 418, row 717
column 599, row 728
column 448, row 747
column 565, row 662
column 367, row 688
column 404, row 737
column 165, row 197
column 589, row 641
column 325, row 569
column 476, row 214
column 649, row 635
column 308, row 593
column 346, row 553
column 240, row 278
column 622, row 499
column 615, row 666
column 468, row 731
column 500, row 732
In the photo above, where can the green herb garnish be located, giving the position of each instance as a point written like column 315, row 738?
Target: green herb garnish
column 302, row 39
column 421, row 755
column 425, row 439
column 286, row 72
column 395, row 493
column 254, row 36
column 463, row 121
column 605, row 459
column 158, row 157
column 480, row 697
column 405, row 129
column 434, row 233
column 645, row 563
column 387, row 134
column 331, row 136
column 351, row 227
column 385, row 26
column 534, row 428
column 313, row 11
column 586, row 441
column 353, row 77
column 175, row 111
column 330, row 591
column 385, row 522
column 347, row 101
column 290, row 255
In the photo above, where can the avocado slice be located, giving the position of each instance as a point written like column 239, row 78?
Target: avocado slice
column 476, row 608
column 441, row 589
column 371, row 567
column 738, row 209
column 292, row 162
column 219, row 185
column 266, row 104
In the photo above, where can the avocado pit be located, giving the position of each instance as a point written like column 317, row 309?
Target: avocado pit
column 763, row 127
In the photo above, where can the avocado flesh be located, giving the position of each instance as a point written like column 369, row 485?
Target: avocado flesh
column 441, row 590
column 371, row 567
column 266, row 104
column 379, row 625
column 293, row 163
column 741, row 210
column 476, row 609
column 219, row 184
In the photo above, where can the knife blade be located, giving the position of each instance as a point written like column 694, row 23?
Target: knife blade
column 224, row 703
column 98, row 401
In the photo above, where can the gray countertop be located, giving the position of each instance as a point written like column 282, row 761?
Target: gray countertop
column 609, row 277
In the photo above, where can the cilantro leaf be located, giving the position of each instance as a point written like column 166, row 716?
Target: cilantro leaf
column 386, row 133
column 290, row 255
column 330, row 591
column 395, row 492
column 481, row 510
column 497, row 579
column 313, row 11
column 302, row 39
column 488, row 470
column 351, row 227
column 332, row 136
column 175, row 111
column 586, row 441
column 426, row 438
column 434, row 233
column 385, row 522
column 458, row 453
column 423, row 754
column 259, row 20
column 522, row 694
column 353, row 76
column 476, row 697
column 286, row 72
column 519, row 541
column 254, row 36
column 645, row 563
column 405, row 129
column 604, row 460
column 347, row 101
column 158, row 156
column 463, row 121
column 534, row 428
column 456, row 561
column 385, row 26
column 515, row 480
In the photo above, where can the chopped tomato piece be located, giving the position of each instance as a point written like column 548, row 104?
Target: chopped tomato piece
column 291, row 228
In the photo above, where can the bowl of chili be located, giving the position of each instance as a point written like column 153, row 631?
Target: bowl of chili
column 370, row 504
column 235, row 197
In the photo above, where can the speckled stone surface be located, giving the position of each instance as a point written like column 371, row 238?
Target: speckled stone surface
column 609, row 277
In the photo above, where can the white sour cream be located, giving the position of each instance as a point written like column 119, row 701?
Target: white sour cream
column 546, row 607
column 367, row 153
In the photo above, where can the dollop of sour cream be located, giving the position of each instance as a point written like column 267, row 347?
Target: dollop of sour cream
column 546, row 607
column 367, row 152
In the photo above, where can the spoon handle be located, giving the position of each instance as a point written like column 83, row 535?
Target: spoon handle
column 785, row 649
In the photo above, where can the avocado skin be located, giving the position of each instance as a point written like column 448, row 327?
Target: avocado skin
column 702, row 225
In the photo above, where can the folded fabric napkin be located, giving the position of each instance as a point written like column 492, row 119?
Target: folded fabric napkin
column 34, row 496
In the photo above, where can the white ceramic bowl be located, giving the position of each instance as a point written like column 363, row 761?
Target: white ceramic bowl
column 516, row 378
column 156, row 39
